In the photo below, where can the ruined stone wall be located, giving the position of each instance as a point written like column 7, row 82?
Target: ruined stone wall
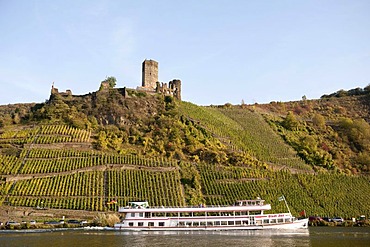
column 173, row 88
column 55, row 90
column 175, row 85
column 149, row 74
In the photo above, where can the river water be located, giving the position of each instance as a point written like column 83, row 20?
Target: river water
column 315, row 236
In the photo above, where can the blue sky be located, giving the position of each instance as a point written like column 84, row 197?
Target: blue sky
column 222, row 50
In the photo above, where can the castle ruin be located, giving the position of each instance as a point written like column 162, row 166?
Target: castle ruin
column 150, row 82
column 55, row 90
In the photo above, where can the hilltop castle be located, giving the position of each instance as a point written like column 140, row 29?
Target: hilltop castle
column 149, row 83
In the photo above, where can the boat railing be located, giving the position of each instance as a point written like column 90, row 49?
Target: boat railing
column 163, row 207
column 194, row 206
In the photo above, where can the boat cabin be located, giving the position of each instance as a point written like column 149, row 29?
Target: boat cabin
column 138, row 205
column 257, row 202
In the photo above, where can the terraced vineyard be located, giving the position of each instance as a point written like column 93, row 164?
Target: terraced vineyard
column 77, row 179
column 158, row 187
column 44, row 176
column 246, row 131
column 321, row 194
column 96, row 178
column 44, row 134
column 262, row 140
column 75, row 191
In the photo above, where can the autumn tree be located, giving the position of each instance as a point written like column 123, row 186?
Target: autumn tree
column 318, row 120
column 109, row 81
column 290, row 122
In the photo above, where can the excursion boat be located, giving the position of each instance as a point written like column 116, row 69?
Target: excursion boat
column 243, row 215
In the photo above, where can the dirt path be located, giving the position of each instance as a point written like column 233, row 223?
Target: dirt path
column 18, row 177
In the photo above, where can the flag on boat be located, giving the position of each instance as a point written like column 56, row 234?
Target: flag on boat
column 303, row 213
column 112, row 202
column 281, row 198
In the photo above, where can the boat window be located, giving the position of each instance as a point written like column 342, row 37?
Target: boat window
column 148, row 215
column 273, row 221
column 141, row 214
column 280, row 220
column 252, row 221
column 258, row 222
column 255, row 212
column 245, row 222
column 150, row 223
column 209, row 223
column 212, row 213
column 217, row 223
column 140, row 224
column 161, row 224
column 132, row 214
column 159, row 214
column 230, row 223
column 224, row 223
column 203, row 223
column 238, row 222
column 195, row 223
column 131, row 224
column 266, row 221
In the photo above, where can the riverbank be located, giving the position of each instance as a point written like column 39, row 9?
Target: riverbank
column 32, row 218
column 345, row 223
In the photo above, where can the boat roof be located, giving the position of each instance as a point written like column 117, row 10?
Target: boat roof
column 194, row 209
column 255, row 200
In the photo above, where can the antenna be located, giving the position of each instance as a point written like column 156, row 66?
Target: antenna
column 282, row 198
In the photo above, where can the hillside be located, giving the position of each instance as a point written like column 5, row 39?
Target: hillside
column 331, row 133
column 83, row 152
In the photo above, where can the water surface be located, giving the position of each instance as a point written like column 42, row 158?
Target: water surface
column 315, row 236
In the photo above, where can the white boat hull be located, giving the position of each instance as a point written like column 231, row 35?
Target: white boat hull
column 298, row 224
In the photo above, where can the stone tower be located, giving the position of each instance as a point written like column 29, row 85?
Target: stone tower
column 175, row 86
column 150, row 74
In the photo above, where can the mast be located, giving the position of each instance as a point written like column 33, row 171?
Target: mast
column 282, row 198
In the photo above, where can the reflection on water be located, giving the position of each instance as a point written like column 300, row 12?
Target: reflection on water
column 340, row 236
column 220, row 238
column 222, row 233
column 318, row 236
